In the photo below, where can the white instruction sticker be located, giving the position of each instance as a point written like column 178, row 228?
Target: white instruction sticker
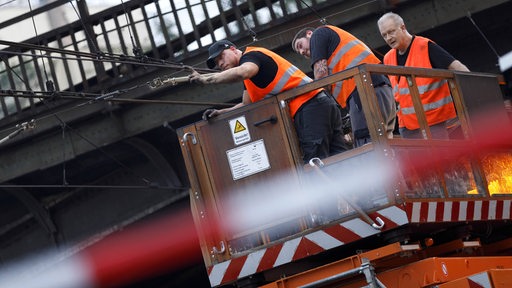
column 248, row 159
column 239, row 130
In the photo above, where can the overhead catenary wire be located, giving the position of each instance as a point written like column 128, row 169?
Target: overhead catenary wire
column 93, row 97
column 137, row 51
column 324, row 21
column 253, row 34
column 83, row 25
column 99, row 57
column 10, row 1
column 64, row 125
column 122, row 59
column 35, row 30
column 50, row 87
column 102, row 58
column 64, row 180
column 483, row 35
column 19, row 128
column 45, row 186
column 108, row 97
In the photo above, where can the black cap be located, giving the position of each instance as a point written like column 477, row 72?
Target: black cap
column 215, row 50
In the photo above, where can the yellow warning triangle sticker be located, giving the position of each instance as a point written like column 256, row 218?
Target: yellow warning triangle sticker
column 239, row 127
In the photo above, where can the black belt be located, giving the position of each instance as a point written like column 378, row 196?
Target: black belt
column 380, row 80
column 382, row 84
column 321, row 94
column 318, row 95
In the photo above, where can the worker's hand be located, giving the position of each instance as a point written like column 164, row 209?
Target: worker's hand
column 209, row 113
column 200, row 79
column 194, row 77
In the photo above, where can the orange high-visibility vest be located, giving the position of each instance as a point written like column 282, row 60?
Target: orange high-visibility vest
column 435, row 93
column 349, row 53
column 287, row 77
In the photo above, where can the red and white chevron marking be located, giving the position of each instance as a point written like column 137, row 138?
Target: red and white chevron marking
column 480, row 280
column 454, row 211
column 306, row 245
column 353, row 230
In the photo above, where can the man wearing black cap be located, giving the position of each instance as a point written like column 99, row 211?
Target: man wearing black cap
column 316, row 117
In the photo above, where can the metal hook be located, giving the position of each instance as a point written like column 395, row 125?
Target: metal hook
column 194, row 141
column 381, row 223
column 222, row 248
column 316, row 159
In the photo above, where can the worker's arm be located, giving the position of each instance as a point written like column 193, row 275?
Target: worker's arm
column 231, row 75
column 457, row 65
column 209, row 113
column 320, row 69
column 235, row 74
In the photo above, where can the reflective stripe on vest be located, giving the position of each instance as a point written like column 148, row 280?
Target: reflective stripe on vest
column 349, row 53
column 287, row 77
column 422, row 88
column 337, row 58
column 428, row 106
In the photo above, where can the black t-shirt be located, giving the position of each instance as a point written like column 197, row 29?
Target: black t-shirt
column 267, row 68
column 322, row 44
column 439, row 58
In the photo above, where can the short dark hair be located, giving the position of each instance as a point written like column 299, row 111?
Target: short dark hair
column 301, row 34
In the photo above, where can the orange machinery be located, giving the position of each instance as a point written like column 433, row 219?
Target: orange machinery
column 400, row 212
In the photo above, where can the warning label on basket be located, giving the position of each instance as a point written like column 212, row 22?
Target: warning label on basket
column 248, row 159
column 239, row 130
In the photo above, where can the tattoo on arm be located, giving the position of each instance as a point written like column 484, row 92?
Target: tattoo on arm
column 320, row 69
column 210, row 80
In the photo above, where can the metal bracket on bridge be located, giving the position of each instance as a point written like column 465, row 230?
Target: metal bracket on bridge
column 19, row 128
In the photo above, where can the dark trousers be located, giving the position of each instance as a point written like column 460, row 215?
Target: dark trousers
column 319, row 128
column 387, row 107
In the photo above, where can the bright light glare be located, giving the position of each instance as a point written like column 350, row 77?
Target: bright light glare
column 47, row 270
column 286, row 197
